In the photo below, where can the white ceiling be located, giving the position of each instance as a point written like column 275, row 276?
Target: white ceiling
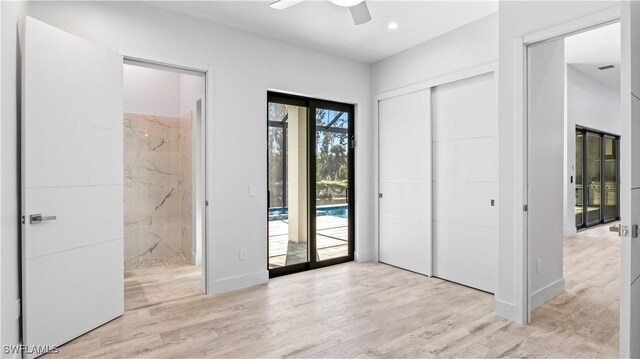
column 328, row 27
column 595, row 48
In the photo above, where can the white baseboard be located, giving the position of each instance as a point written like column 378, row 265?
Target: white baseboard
column 364, row 256
column 568, row 232
column 508, row 311
column 547, row 293
column 239, row 282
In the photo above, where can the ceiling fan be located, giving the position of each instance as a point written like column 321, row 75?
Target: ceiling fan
column 358, row 8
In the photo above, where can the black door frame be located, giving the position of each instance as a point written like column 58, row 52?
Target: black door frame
column 585, row 195
column 312, row 105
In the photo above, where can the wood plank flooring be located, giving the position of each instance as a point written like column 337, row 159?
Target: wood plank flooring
column 361, row 310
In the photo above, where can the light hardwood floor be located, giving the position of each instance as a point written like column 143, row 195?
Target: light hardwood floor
column 363, row 310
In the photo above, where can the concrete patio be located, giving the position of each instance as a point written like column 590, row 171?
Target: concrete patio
column 332, row 239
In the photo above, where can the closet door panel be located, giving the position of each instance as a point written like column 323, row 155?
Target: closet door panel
column 405, row 181
column 465, row 212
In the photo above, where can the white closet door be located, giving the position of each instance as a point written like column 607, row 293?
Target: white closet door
column 465, row 231
column 405, row 182
column 73, row 278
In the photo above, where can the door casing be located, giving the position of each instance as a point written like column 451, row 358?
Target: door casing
column 522, row 312
column 200, row 145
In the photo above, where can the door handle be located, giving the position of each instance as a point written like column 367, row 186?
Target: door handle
column 615, row 228
column 38, row 218
column 628, row 231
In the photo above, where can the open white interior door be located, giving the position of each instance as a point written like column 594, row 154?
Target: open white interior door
column 630, row 182
column 72, row 154
column 545, row 126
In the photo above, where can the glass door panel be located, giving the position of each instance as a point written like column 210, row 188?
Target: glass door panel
column 610, row 197
column 288, row 213
column 332, row 184
column 593, row 178
column 579, row 176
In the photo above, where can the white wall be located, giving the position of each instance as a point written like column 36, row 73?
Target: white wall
column 160, row 92
column 590, row 104
column 519, row 18
column 151, row 91
column 245, row 66
column 466, row 47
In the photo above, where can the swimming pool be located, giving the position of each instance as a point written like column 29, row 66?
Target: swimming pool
column 341, row 210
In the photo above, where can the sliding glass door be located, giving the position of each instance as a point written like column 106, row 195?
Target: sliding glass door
column 593, row 179
column 597, row 178
column 579, row 175
column 310, row 181
column 611, row 181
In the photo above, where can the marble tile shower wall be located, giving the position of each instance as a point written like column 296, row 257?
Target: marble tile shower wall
column 157, row 187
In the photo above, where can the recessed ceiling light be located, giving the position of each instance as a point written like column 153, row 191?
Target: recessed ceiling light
column 283, row 4
column 346, row 3
column 392, row 26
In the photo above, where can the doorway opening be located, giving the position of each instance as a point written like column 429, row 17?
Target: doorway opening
column 310, row 174
column 163, row 143
column 574, row 125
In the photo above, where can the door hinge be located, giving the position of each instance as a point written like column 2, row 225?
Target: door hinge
column 525, row 208
column 379, row 195
column 352, row 143
column 22, row 220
